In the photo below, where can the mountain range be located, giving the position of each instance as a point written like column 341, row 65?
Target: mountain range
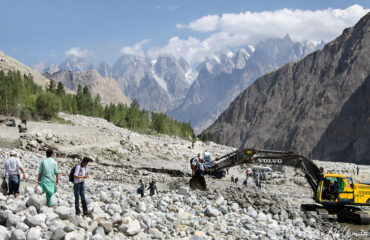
column 196, row 95
column 318, row 106
column 220, row 82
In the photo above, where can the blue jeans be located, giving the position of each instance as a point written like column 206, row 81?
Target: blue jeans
column 79, row 190
column 14, row 182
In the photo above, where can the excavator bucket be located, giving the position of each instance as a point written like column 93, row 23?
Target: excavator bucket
column 198, row 182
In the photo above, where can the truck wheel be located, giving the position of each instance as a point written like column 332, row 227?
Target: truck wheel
column 368, row 201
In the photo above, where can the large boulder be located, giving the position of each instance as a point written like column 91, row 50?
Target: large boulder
column 34, row 234
column 18, row 234
column 59, row 234
column 4, row 234
column 37, row 220
column 183, row 191
column 212, row 212
column 36, row 200
column 129, row 226
column 63, row 212
column 12, row 220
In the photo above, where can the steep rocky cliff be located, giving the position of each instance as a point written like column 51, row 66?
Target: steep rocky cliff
column 308, row 104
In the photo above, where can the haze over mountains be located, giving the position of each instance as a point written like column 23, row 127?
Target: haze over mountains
column 195, row 94
column 318, row 106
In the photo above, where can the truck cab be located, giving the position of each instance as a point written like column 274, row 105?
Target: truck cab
column 341, row 189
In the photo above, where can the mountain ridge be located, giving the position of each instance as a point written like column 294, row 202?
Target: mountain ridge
column 291, row 108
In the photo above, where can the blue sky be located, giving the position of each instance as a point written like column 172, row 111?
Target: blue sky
column 36, row 30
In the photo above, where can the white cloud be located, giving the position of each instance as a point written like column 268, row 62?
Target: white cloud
column 234, row 30
column 77, row 52
column 204, row 24
column 136, row 49
column 300, row 24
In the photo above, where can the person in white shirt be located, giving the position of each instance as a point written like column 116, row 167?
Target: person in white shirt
column 79, row 185
column 12, row 165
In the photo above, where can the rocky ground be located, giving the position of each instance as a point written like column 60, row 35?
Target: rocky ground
column 225, row 211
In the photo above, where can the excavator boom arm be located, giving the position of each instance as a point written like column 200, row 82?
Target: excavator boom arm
column 285, row 158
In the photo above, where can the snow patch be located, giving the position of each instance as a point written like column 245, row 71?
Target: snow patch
column 190, row 76
column 159, row 80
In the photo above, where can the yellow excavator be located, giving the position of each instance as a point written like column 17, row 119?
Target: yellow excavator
column 335, row 193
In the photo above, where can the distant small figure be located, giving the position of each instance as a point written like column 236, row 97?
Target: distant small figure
column 232, row 178
column 236, row 180
column 192, row 145
column 153, row 188
column 141, row 189
column 258, row 180
column 358, row 170
column 245, row 183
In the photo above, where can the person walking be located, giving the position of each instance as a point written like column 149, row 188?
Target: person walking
column 79, row 185
column 153, row 188
column 12, row 165
column 236, row 180
column 48, row 177
column 358, row 171
column 142, row 188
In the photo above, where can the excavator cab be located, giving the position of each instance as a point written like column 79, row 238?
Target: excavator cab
column 336, row 188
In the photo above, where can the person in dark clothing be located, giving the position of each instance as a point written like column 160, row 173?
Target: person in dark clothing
column 153, row 188
column 358, row 170
column 335, row 190
column 236, row 180
column 142, row 188
column 79, row 185
column 327, row 189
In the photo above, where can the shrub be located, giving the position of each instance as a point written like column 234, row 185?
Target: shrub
column 48, row 105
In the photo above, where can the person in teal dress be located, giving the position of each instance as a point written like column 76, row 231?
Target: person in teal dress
column 49, row 176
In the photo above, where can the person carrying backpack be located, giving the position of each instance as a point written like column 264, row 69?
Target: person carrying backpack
column 141, row 189
column 48, row 178
column 80, row 174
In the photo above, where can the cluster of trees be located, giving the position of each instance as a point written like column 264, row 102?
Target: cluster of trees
column 21, row 97
column 207, row 136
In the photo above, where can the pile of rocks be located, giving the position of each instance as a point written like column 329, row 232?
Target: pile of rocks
column 180, row 214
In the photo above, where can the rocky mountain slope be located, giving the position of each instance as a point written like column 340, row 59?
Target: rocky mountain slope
column 347, row 138
column 219, row 82
column 107, row 88
column 8, row 63
column 291, row 108
column 105, row 69
column 135, row 77
column 43, row 67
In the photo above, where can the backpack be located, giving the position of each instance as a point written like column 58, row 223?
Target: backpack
column 72, row 174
